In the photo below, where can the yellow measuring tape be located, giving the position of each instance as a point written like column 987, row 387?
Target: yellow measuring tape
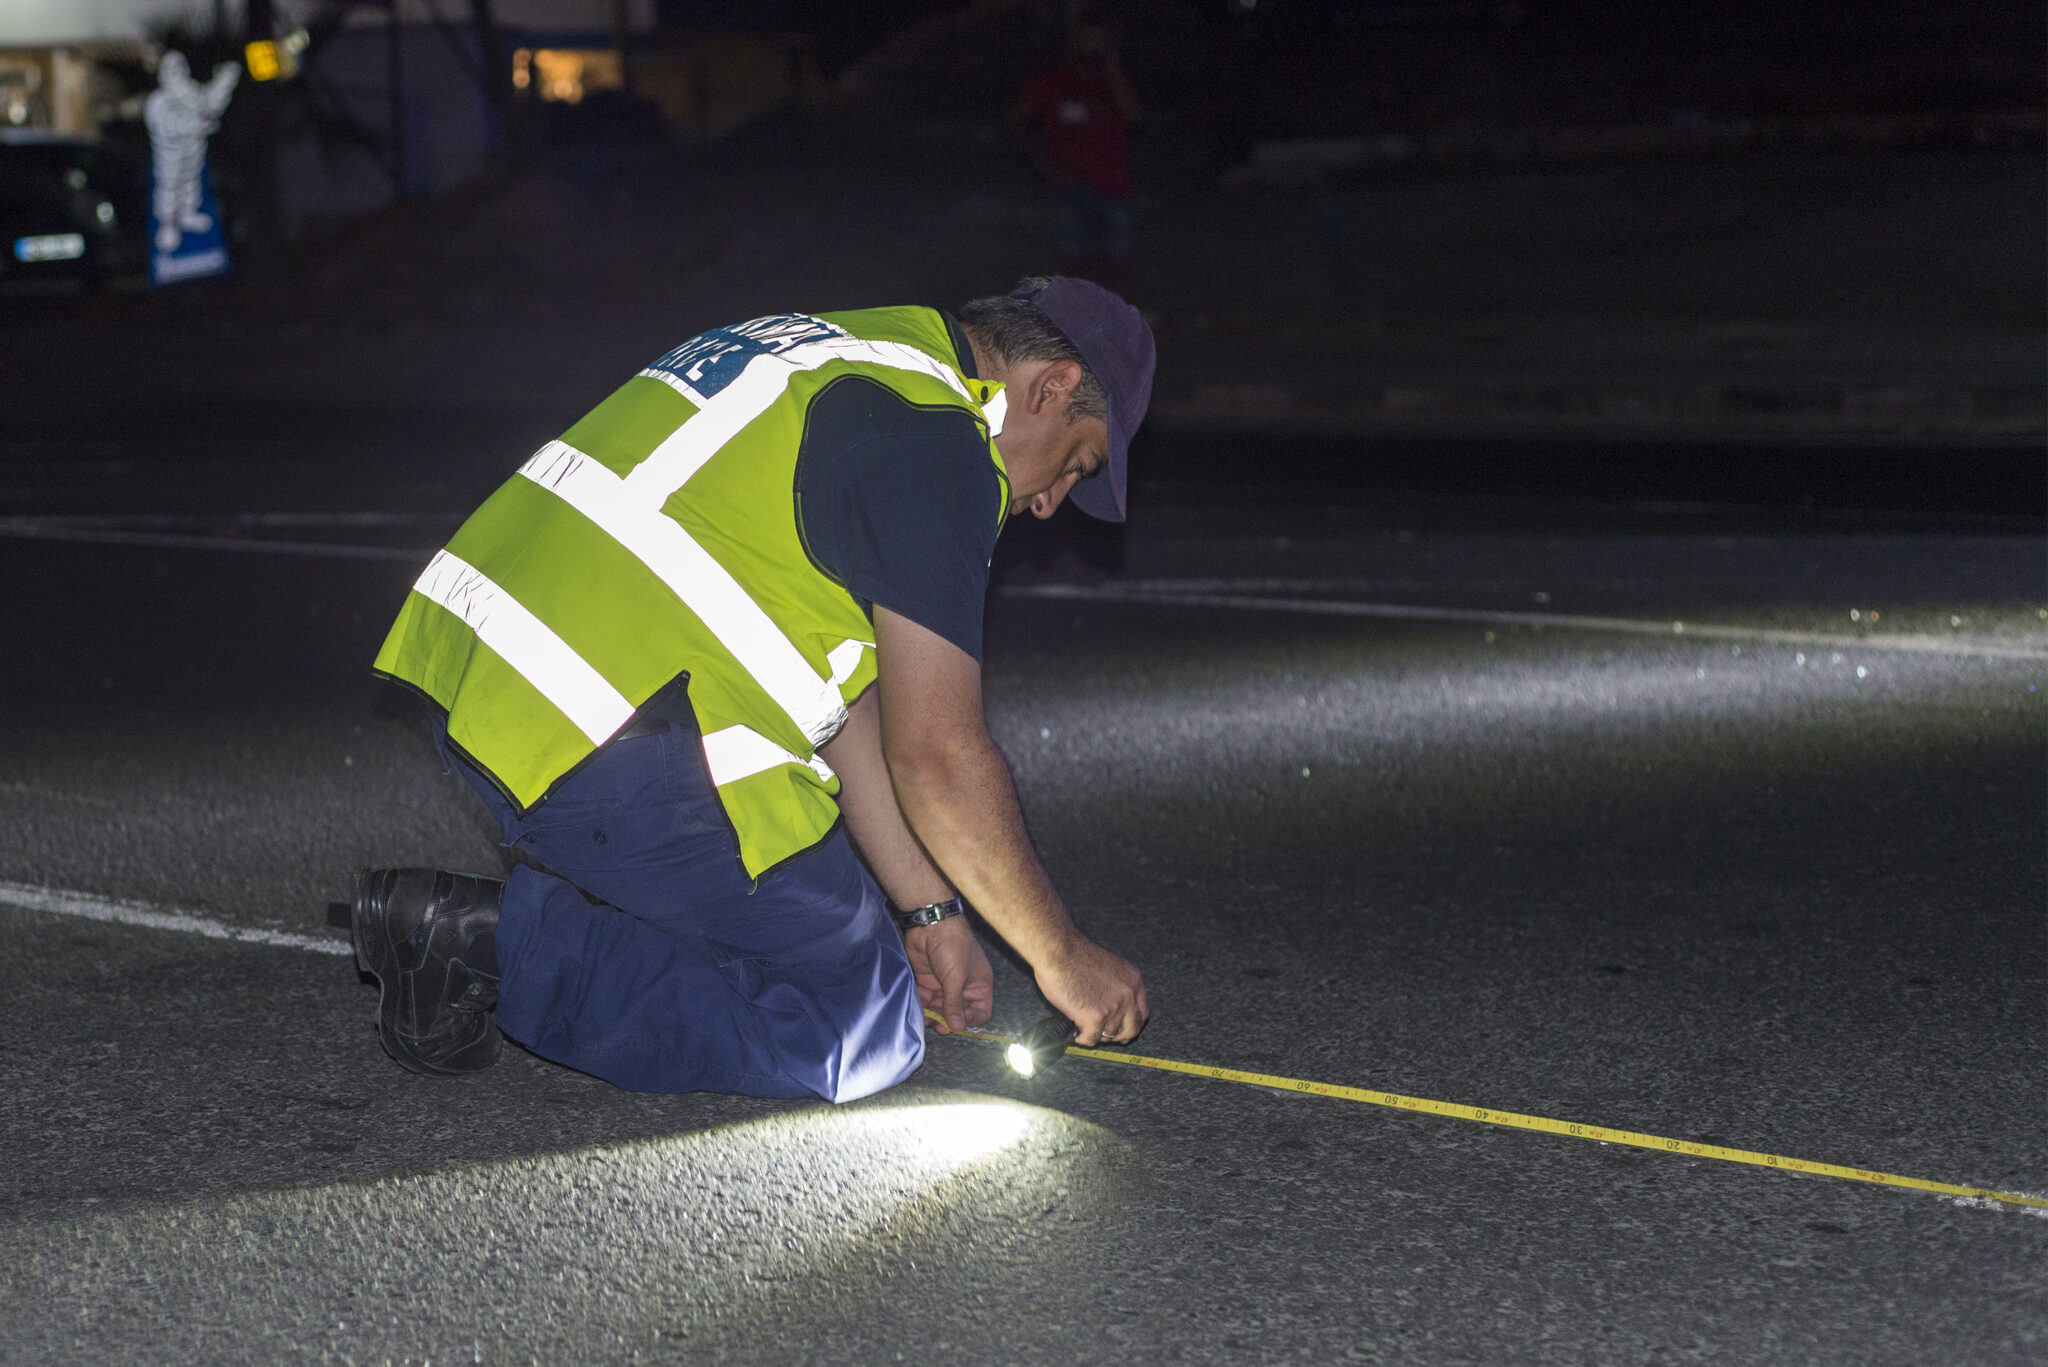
column 1685, row 1148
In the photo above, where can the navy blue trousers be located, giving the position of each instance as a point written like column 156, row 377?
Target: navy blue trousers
column 632, row 945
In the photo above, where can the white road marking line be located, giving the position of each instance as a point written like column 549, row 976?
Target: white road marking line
column 1171, row 593
column 91, row 907
column 42, row 793
column 202, row 523
column 30, row 529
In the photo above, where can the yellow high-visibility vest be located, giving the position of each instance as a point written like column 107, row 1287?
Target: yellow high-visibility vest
column 658, row 537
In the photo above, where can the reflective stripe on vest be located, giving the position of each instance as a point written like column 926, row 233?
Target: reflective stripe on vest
column 722, row 416
column 739, row 752
column 661, row 544
column 525, row 642
column 845, row 658
column 561, row 676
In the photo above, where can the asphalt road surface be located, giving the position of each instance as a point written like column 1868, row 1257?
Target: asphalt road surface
column 1708, row 826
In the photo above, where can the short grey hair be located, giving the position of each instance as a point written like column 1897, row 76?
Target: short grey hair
column 1017, row 330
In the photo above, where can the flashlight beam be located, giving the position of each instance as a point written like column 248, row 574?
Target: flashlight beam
column 1485, row 1115
column 1199, row 594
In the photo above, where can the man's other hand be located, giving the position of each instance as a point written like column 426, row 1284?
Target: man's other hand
column 1098, row 990
column 953, row 976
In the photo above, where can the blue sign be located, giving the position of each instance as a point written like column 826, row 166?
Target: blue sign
column 188, row 241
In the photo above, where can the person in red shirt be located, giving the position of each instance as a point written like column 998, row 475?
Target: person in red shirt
column 1078, row 116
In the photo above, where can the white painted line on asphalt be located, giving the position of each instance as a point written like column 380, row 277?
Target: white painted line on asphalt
column 1203, row 594
column 33, row 529
column 91, row 907
column 41, row 793
column 209, row 523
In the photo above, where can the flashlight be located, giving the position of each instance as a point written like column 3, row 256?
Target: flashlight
column 1043, row 1045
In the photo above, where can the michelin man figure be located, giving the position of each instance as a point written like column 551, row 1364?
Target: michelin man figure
column 181, row 114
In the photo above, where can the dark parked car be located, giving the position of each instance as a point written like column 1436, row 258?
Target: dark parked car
column 71, row 208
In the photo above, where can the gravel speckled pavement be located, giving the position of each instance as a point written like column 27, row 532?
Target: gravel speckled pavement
column 1777, row 895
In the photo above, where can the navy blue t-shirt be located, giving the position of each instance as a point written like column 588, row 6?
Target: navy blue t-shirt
column 900, row 505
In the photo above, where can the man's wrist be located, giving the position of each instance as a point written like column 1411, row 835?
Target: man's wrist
column 930, row 914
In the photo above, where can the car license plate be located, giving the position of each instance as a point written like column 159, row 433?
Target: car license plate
column 50, row 247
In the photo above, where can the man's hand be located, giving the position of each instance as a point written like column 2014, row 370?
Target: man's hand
column 953, row 976
column 1097, row 990
column 954, row 792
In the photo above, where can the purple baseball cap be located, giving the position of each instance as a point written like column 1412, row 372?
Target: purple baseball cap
column 1116, row 345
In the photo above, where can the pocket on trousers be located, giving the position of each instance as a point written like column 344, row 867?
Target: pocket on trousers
column 626, row 811
column 688, row 791
column 578, row 812
column 576, row 806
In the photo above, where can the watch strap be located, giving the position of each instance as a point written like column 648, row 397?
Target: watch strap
column 929, row 915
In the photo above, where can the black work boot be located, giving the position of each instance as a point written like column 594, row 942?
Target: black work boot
column 429, row 938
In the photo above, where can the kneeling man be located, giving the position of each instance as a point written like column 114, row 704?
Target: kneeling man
column 714, row 661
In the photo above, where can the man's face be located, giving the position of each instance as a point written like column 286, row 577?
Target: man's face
column 1045, row 455
column 1078, row 451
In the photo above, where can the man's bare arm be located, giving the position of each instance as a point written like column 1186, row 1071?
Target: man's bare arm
column 955, row 791
column 953, row 975
column 867, row 800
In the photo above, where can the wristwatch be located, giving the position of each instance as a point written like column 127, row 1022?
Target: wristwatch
column 929, row 915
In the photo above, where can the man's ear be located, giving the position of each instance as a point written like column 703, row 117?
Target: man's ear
column 1055, row 385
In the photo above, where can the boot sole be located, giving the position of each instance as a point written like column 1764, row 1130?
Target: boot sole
column 377, row 956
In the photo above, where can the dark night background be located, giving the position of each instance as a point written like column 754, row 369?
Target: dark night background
column 1605, row 233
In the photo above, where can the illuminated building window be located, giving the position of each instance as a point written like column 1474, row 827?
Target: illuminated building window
column 565, row 75
column 22, row 101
